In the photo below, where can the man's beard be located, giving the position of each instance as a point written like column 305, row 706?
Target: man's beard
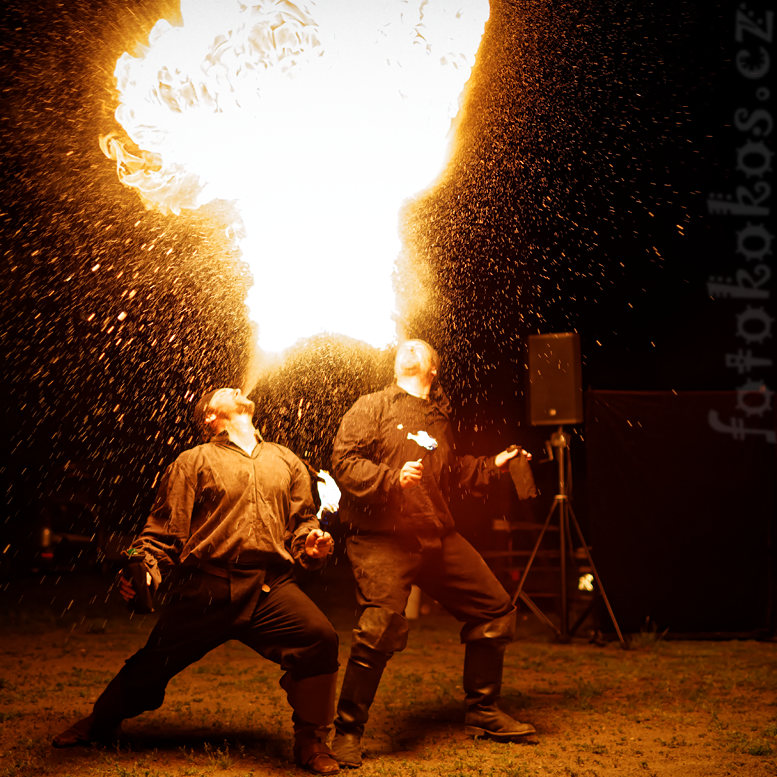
column 246, row 406
column 408, row 365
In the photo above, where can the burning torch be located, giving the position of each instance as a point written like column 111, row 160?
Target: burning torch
column 424, row 439
column 412, row 471
column 328, row 494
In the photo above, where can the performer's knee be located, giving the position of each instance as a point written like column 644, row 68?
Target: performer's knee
column 501, row 629
column 322, row 651
column 381, row 630
column 329, row 641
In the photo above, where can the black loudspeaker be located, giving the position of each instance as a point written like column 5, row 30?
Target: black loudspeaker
column 555, row 384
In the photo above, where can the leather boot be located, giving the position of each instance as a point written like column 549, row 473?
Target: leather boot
column 362, row 677
column 86, row 731
column 483, row 662
column 312, row 700
column 102, row 725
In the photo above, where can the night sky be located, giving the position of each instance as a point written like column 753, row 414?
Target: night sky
column 591, row 138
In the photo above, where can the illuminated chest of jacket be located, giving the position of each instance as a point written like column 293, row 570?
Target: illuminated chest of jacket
column 377, row 436
column 217, row 503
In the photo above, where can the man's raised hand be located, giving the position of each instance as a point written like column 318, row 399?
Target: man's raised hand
column 319, row 544
column 504, row 457
column 411, row 473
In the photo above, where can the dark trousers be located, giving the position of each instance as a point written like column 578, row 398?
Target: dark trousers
column 267, row 612
column 453, row 573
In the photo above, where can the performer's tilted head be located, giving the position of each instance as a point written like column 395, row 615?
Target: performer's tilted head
column 218, row 405
column 416, row 358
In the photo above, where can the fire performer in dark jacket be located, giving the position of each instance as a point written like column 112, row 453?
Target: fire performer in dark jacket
column 395, row 462
column 230, row 520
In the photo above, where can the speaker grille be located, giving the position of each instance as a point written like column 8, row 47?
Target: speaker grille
column 555, row 384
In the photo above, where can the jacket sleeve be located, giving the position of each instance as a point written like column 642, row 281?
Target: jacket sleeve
column 169, row 522
column 302, row 515
column 473, row 474
column 355, row 455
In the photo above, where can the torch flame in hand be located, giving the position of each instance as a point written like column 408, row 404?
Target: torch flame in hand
column 328, row 493
column 424, row 439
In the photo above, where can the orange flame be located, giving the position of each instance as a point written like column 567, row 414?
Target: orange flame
column 317, row 119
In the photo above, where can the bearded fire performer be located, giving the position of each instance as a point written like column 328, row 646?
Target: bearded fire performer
column 231, row 518
column 396, row 502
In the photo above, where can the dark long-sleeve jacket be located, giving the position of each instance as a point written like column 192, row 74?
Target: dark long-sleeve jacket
column 218, row 505
column 369, row 450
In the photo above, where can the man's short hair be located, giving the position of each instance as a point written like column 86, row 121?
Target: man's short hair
column 200, row 413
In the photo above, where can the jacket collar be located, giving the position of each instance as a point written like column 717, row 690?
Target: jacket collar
column 437, row 397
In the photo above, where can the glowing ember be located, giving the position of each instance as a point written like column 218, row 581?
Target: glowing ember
column 318, row 119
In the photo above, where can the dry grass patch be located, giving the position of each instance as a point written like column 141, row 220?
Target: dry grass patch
column 664, row 709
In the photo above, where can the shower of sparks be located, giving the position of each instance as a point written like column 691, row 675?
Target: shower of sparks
column 318, row 119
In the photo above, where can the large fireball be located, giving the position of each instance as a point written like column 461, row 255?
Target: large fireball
column 317, row 120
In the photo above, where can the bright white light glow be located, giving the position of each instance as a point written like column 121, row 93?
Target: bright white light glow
column 318, row 119
column 585, row 582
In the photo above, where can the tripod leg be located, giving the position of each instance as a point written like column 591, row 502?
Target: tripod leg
column 533, row 555
column 597, row 579
column 566, row 551
column 563, row 533
column 539, row 613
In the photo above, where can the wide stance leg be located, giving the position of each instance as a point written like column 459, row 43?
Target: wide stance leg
column 101, row 725
column 384, row 573
column 362, row 677
column 483, row 664
column 186, row 631
column 287, row 628
column 312, row 700
column 138, row 687
column 461, row 580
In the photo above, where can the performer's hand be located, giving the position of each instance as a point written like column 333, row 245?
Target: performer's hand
column 127, row 590
column 411, row 473
column 504, row 457
column 319, row 544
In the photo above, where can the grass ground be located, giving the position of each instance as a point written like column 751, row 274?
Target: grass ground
column 685, row 709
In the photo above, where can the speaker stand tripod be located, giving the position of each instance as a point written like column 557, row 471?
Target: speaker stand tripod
column 566, row 516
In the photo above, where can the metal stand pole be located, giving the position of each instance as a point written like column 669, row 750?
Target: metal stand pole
column 560, row 445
